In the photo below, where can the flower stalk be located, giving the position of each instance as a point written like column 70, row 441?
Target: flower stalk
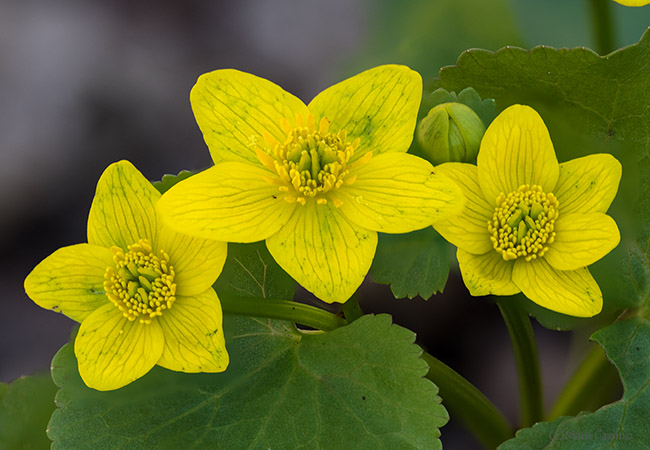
column 578, row 394
column 468, row 405
column 284, row 310
column 527, row 360
column 603, row 26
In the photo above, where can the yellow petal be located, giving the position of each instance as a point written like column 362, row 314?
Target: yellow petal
column 229, row 202
column 581, row 240
column 486, row 274
column 571, row 292
column 193, row 332
column 71, row 280
column 588, row 184
column 516, row 150
column 632, row 2
column 235, row 109
column 324, row 252
column 123, row 209
column 379, row 106
column 113, row 351
column 196, row 261
column 469, row 229
column 398, row 193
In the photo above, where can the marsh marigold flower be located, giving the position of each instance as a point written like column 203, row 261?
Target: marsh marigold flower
column 142, row 292
column 530, row 224
column 315, row 181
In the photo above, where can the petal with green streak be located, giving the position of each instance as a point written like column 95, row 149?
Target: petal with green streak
column 486, row 274
column 123, row 210
column 113, row 351
column 193, row 332
column 516, row 149
column 398, row 193
column 323, row 251
column 379, row 106
column 234, row 109
column 588, row 184
column 71, row 280
column 571, row 292
column 197, row 262
column 581, row 240
column 229, row 202
column 468, row 230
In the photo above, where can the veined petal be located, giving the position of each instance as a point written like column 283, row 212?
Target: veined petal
column 234, row 109
column 123, row 210
column 486, row 274
column 468, row 230
column 571, row 292
column 197, row 262
column 588, row 184
column 71, row 280
column 379, row 106
column 323, row 251
column 193, row 332
column 229, row 202
column 398, row 193
column 516, row 149
column 113, row 351
column 581, row 240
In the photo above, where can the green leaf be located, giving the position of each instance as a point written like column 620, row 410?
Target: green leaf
column 167, row 181
column 251, row 271
column 25, row 409
column 620, row 425
column 422, row 267
column 590, row 104
column 360, row 386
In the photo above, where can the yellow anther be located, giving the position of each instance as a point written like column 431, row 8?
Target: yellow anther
column 523, row 223
column 140, row 284
column 324, row 126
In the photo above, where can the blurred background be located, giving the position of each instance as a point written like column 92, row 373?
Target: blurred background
column 84, row 84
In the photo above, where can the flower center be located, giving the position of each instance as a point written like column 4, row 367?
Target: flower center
column 311, row 162
column 523, row 223
column 141, row 284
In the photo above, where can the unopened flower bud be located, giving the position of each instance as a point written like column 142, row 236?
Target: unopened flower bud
column 450, row 132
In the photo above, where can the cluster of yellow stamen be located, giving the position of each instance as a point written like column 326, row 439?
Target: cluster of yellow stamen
column 141, row 284
column 523, row 223
column 310, row 162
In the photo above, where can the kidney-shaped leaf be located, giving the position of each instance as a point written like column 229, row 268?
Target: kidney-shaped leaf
column 360, row 386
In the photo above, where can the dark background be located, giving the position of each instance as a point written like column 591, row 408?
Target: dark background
column 84, row 84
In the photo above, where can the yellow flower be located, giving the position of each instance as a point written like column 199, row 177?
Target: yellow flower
column 316, row 181
column 632, row 2
column 531, row 224
column 141, row 291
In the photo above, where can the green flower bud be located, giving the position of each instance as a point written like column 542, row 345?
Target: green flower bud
column 450, row 132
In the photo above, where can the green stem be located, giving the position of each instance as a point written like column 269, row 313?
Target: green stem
column 467, row 404
column 603, row 25
column 527, row 360
column 284, row 310
column 352, row 309
column 580, row 389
